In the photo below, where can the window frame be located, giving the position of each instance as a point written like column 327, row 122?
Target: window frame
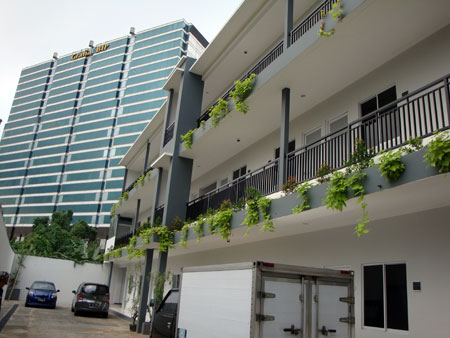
column 312, row 131
column 385, row 328
column 336, row 118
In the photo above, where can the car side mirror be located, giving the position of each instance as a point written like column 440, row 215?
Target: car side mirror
column 27, row 288
column 58, row 290
column 73, row 291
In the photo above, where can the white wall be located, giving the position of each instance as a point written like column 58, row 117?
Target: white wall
column 420, row 240
column 416, row 67
column 6, row 253
column 63, row 273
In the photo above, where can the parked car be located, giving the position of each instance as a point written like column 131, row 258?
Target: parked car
column 91, row 298
column 165, row 317
column 42, row 294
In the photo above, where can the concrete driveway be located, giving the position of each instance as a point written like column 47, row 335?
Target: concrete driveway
column 60, row 322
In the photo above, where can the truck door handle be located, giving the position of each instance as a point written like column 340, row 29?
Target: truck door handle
column 293, row 330
column 324, row 331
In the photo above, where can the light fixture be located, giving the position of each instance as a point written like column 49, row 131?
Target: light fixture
column 303, row 95
column 238, row 140
column 245, row 52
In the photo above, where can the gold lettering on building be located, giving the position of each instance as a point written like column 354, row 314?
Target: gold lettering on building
column 89, row 52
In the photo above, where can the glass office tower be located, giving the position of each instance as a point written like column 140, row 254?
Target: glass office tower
column 75, row 116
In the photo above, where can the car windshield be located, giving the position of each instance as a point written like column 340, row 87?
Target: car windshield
column 43, row 286
column 93, row 289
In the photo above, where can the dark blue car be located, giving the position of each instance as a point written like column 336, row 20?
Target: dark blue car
column 42, row 294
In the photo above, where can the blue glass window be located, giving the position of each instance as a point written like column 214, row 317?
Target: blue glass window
column 121, row 151
column 27, row 220
column 35, row 68
column 113, row 60
column 8, row 192
column 156, row 57
column 47, row 160
column 67, row 65
column 54, row 124
column 12, row 173
column 92, row 135
column 135, row 128
column 37, row 209
column 119, row 172
column 40, row 189
column 136, row 118
column 81, row 186
column 88, row 155
column 101, row 88
column 38, row 199
column 10, row 210
column 60, row 106
column 125, row 139
column 100, row 97
column 107, row 70
column 65, row 81
column 95, row 116
column 143, row 106
column 114, row 162
column 158, row 48
column 17, row 147
column 17, row 139
column 11, row 165
column 30, row 98
column 79, row 198
column 51, row 142
column 58, row 115
column 49, row 151
column 11, row 183
column 19, row 131
column 106, row 207
column 92, row 175
column 22, row 123
column 94, row 125
column 38, row 89
column 66, row 73
column 82, row 207
column 8, row 201
column 114, row 196
column 114, row 184
column 34, row 76
column 86, row 165
column 15, row 156
column 117, row 43
column 43, row 179
column 169, row 36
column 56, row 132
column 153, row 66
column 146, row 96
column 35, row 104
column 103, row 79
column 160, row 30
column 98, row 106
column 65, row 89
column 69, row 96
column 45, row 170
column 163, row 74
column 145, row 87
column 18, row 116
column 32, row 83
column 87, row 219
column 89, row 145
column 108, row 53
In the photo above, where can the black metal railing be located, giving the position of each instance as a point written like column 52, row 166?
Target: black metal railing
column 123, row 239
column 159, row 212
column 418, row 114
column 168, row 134
column 311, row 20
column 256, row 69
column 128, row 189
column 264, row 179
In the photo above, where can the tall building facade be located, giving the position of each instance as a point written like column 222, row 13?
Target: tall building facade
column 74, row 117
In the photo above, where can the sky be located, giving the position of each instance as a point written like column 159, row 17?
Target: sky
column 31, row 30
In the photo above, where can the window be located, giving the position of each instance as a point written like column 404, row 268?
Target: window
column 338, row 123
column 207, row 189
column 239, row 172
column 385, row 296
column 291, row 147
column 378, row 101
column 313, row 136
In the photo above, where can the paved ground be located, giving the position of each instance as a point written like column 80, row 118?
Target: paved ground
column 60, row 322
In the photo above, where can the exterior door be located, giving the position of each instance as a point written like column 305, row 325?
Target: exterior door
column 331, row 305
column 281, row 307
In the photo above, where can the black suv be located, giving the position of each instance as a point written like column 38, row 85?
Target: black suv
column 165, row 319
column 92, row 298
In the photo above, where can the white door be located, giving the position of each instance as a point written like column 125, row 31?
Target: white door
column 281, row 308
column 330, row 304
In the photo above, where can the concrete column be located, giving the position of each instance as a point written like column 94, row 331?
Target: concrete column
column 284, row 136
column 156, row 194
column 162, row 261
column 110, row 273
column 288, row 23
column 136, row 216
column 125, row 180
column 147, row 152
column 167, row 116
column 145, row 286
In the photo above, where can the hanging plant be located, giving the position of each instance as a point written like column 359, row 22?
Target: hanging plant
column 198, row 227
column 303, row 194
column 242, row 89
column 184, row 235
column 438, row 152
column 336, row 13
column 391, row 165
column 219, row 111
column 187, row 138
column 220, row 223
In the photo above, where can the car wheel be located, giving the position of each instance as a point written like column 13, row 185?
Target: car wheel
column 27, row 305
column 76, row 313
column 105, row 315
column 71, row 309
column 53, row 306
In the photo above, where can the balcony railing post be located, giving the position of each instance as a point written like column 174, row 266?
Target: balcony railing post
column 447, row 98
column 288, row 23
column 349, row 141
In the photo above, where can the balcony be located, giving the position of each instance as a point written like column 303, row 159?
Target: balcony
column 123, row 239
column 416, row 115
column 168, row 134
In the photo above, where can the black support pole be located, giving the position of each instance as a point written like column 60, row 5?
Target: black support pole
column 284, row 136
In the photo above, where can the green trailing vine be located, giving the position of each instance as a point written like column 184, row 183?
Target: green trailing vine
column 242, row 89
column 391, row 165
column 115, row 253
column 264, row 207
column 438, row 152
column 336, row 13
column 132, row 252
column 302, row 191
column 184, row 235
column 198, row 227
column 257, row 204
column 165, row 237
column 220, row 110
column 187, row 138
column 290, row 185
column 220, row 223
column 159, row 280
